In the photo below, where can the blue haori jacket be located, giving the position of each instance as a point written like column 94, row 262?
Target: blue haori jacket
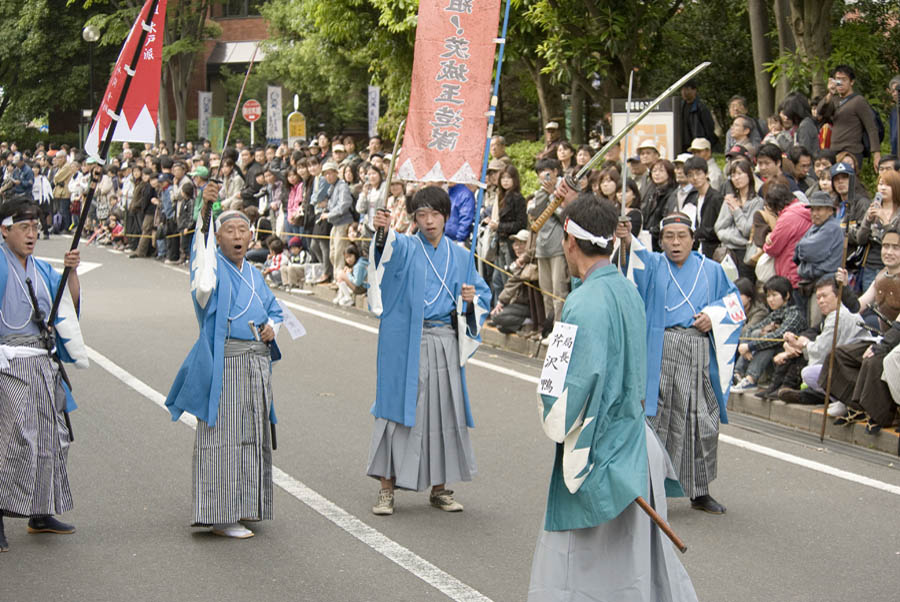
column 398, row 279
column 69, row 342
column 198, row 384
column 711, row 293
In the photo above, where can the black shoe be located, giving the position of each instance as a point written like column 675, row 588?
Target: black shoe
column 790, row 395
column 707, row 504
column 48, row 524
column 4, row 545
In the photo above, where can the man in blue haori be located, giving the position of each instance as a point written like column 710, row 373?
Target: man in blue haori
column 694, row 319
column 597, row 543
column 432, row 303
column 34, row 398
column 225, row 380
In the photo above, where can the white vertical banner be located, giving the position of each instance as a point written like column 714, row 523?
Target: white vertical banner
column 274, row 129
column 374, row 101
column 204, row 112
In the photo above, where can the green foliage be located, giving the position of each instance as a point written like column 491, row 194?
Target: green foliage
column 797, row 69
column 329, row 52
column 713, row 30
column 43, row 60
column 522, row 155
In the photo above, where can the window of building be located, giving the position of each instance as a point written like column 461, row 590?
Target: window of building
column 241, row 8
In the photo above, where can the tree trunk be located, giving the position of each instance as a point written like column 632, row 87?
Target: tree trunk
column 165, row 123
column 4, row 104
column 786, row 43
column 759, row 27
column 549, row 101
column 577, row 124
column 811, row 26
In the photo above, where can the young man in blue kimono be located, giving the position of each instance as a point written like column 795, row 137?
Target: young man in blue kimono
column 34, row 438
column 597, row 543
column 225, row 379
column 432, row 303
column 694, row 319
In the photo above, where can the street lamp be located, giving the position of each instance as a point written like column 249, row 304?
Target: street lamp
column 90, row 34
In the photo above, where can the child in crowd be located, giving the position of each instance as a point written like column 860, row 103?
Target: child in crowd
column 275, row 261
column 773, row 122
column 755, row 309
column 352, row 279
column 293, row 272
column 756, row 355
column 116, row 233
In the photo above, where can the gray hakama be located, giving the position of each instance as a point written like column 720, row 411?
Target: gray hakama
column 687, row 416
column 233, row 459
column 437, row 449
column 34, row 440
column 627, row 559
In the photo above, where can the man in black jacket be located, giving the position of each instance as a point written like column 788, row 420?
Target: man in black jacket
column 708, row 204
column 696, row 120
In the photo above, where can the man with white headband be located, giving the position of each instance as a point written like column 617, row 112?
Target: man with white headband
column 597, row 543
column 34, row 398
column 694, row 319
column 225, row 380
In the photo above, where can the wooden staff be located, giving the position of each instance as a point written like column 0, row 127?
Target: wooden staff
column 661, row 523
column 762, row 339
column 834, row 338
column 623, row 213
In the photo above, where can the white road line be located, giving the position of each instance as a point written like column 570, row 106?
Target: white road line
column 406, row 559
column 811, row 464
column 83, row 268
column 747, row 445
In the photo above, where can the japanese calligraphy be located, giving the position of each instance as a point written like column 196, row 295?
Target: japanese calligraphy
column 453, row 71
column 556, row 362
column 449, row 93
column 459, row 6
column 456, row 47
column 148, row 54
column 443, row 140
column 447, row 117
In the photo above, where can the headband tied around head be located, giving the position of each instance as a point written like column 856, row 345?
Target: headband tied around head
column 580, row 233
column 24, row 216
column 678, row 218
column 230, row 215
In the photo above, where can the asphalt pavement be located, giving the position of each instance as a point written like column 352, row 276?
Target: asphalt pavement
column 803, row 522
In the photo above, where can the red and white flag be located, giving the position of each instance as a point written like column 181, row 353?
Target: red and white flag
column 451, row 90
column 137, row 121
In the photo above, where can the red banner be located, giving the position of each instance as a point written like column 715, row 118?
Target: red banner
column 137, row 121
column 451, row 91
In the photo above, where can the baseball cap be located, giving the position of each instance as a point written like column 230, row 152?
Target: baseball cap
column 521, row 235
column 201, row 171
column 552, row 125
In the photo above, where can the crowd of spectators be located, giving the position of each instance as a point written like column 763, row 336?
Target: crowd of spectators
column 778, row 215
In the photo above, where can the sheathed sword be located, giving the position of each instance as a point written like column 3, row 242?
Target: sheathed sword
column 256, row 336
column 37, row 316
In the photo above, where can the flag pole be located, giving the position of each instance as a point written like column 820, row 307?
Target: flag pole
column 490, row 129
column 624, row 211
column 104, row 149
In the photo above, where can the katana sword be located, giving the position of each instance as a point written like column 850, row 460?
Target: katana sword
column 572, row 182
column 257, row 338
column 381, row 235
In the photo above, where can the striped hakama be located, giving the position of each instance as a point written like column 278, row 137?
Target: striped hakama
column 34, row 440
column 627, row 559
column 687, row 416
column 437, row 449
column 233, row 459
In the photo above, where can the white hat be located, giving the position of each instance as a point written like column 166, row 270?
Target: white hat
column 551, row 125
column 681, row 158
column 338, row 147
column 648, row 143
column 699, row 144
column 522, row 235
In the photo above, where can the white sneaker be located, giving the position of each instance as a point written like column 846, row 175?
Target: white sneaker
column 235, row 530
column 837, row 408
column 745, row 385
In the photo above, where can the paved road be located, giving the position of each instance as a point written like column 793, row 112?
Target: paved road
column 791, row 532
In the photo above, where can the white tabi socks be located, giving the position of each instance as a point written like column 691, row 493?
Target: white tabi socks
column 235, row 530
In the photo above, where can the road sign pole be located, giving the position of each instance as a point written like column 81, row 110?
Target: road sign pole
column 252, row 143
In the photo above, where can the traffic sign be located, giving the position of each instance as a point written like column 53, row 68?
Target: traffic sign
column 251, row 111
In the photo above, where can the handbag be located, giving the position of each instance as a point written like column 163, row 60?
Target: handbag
column 765, row 268
column 752, row 254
